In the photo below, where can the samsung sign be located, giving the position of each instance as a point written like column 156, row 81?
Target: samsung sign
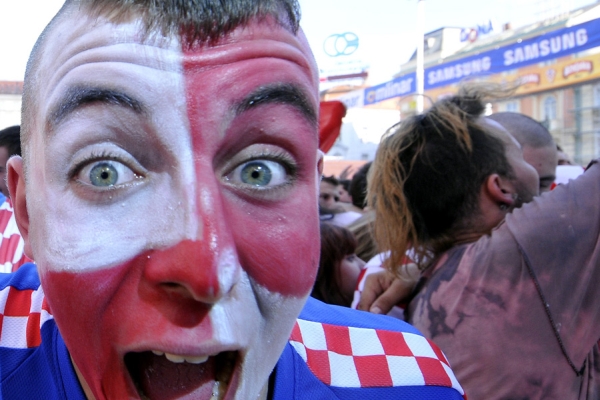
column 545, row 47
column 459, row 70
column 554, row 45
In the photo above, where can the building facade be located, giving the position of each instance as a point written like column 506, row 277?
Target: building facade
column 553, row 64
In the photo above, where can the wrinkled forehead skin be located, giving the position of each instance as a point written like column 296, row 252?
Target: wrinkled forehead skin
column 70, row 34
column 183, row 258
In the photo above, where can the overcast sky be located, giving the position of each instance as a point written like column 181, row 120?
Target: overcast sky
column 385, row 28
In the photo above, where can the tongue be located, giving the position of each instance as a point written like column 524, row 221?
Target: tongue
column 158, row 378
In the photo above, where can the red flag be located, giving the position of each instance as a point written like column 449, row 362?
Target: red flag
column 330, row 123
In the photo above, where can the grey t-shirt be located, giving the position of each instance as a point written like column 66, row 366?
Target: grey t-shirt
column 484, row 303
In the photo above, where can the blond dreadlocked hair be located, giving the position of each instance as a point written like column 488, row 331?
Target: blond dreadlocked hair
column 425, row 181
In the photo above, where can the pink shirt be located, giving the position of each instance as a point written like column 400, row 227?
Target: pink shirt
column 484, row 303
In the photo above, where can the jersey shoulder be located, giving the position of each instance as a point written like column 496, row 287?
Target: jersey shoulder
column 34, row 362
column 12, row 245
column 23, row 309
column 346, row 348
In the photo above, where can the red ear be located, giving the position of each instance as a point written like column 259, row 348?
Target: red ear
column 330, row 123
column 16, row 187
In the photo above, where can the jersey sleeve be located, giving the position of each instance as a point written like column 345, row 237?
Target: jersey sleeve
column 361, row 355
column 557, row 237
column 11, row 242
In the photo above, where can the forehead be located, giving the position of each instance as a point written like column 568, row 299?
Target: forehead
column 327, row 185
column 78, row 42
column 541, row 157
column 75, row 21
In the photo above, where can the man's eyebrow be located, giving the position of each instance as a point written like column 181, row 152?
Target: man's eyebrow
column 79, row 96
column 280, row 94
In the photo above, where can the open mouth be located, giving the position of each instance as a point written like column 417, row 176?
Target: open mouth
column 158, row 375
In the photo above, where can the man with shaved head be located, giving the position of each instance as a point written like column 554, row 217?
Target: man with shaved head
column 539, row 149
column 168, row 194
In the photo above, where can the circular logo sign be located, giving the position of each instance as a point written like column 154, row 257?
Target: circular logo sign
column 340, row 44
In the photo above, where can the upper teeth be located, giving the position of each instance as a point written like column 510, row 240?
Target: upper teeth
column 179, row 359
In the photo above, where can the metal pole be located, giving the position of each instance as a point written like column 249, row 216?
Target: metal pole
column 578, row 134
column 420, row 50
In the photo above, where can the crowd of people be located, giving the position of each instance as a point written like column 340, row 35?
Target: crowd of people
column 484, row 253
column 167, row 234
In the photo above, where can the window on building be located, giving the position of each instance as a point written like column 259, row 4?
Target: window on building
column 549, row 108
column 597, row 95
column 512, row 106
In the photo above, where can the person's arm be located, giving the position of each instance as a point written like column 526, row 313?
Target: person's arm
column 558, row 237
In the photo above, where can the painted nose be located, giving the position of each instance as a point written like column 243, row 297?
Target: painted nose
column 203, row 268
column 193, row 270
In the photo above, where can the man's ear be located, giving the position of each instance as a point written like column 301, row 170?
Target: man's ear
column 16, row 186
column 500, row 191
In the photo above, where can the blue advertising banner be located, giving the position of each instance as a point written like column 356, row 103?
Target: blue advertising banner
column 548, row 46
column 395, row 88
column 551, row 45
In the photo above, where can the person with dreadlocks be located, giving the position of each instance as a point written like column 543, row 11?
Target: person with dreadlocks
column 508, row 290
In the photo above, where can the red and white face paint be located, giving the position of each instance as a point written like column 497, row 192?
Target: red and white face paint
column 172, row 204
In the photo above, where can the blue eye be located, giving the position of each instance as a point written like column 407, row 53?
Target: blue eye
column 106, row 173
column 256, row 173
column 259, row 173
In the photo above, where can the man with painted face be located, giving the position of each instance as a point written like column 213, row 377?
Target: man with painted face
column 168, row 193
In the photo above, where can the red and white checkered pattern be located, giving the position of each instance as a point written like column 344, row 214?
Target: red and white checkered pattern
column 345, row 356
column 11, row 242
column 22, row 314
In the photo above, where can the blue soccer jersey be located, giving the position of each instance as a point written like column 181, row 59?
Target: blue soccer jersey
column 333, row 353
column 339, row 353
